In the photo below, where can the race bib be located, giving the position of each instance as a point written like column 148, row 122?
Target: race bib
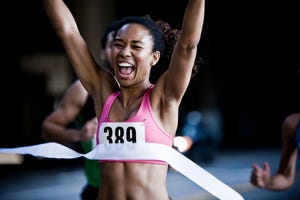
column 121, row 132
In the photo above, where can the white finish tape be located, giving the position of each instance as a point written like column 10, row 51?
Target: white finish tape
column 144, row 151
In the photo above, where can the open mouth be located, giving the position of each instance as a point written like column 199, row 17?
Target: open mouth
column 125, row 69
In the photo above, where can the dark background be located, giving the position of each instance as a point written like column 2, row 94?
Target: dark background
column 251, row 54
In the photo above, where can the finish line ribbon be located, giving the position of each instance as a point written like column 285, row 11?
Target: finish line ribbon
column 144, row 151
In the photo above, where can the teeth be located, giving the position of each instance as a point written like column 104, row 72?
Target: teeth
column 125, row 65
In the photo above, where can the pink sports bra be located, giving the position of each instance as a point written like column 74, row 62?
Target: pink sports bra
column 142, row 127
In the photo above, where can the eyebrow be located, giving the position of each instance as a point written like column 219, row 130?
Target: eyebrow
column 133, row 41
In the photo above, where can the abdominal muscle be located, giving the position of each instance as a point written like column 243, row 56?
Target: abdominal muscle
column 133, row 181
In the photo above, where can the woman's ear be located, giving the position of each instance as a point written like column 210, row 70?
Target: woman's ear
column 155, row 58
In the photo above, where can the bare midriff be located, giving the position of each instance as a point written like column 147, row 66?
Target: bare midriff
column 133, row 181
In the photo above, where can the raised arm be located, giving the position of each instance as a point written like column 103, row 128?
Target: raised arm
column 76, row 48
column 179, row 72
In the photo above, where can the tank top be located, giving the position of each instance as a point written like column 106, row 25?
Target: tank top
column 142, row 127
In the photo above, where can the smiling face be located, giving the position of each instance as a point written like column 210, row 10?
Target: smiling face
column 132, row 55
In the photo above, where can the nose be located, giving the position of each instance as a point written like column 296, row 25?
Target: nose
column 126, row 51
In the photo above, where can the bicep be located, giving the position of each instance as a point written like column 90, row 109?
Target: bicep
column 177, row 77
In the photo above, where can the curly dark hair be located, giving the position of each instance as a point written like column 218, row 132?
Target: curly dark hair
column 171, row 37
column 164, row 39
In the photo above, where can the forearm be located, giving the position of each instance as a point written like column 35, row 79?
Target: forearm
column 56, row 133
column 60, row 16
column 193, row 23
column 279, row 182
